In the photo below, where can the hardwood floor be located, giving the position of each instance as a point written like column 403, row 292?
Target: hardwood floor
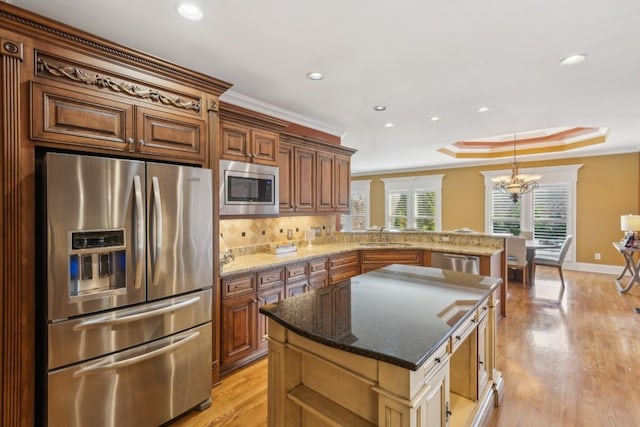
column 568, row 359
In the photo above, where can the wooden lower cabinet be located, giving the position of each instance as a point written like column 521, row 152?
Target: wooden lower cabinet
column 343, row 266
column 239, row 336
column 375, row 259
column 267, row 296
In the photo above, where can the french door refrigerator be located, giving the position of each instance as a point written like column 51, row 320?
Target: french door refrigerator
column 128, row 290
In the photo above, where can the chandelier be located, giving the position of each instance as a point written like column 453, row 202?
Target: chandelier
column 517, row 183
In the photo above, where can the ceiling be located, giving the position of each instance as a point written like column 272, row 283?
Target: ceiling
column 419, row 58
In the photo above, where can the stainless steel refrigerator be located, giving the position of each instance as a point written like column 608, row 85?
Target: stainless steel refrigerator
column 128, row 290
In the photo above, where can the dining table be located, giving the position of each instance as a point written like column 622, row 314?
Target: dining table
column 532, row 246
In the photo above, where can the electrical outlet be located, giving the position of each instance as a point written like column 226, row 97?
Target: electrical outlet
column 445, row 238
column 597, row 255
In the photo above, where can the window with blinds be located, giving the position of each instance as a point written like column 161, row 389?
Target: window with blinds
column 425, row 210
column 550, row 212
column 398, row 214
column 547, row 207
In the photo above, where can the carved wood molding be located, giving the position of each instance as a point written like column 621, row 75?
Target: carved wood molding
column 102, row 81
column 11, row 48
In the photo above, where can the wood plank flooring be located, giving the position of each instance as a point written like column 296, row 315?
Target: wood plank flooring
column 568, row 358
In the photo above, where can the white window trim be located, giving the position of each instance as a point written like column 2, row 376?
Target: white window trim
column 567, row 174
column 361, row 187
column 411, row 185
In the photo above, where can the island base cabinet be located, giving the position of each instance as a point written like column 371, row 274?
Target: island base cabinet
column 313, row 385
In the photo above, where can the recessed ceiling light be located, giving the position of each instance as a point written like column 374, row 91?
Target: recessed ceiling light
column 380, row 107
column 482, row 109
column 435, row 118
column 389, row 125
column 573, row 59
column 315, row 75
column 189, row 11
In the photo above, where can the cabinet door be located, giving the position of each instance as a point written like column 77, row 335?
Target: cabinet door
column 286, row 165
column 483, row 355
column 324, row 180
column 73, row 118
column 170, row 135
column 269, row 296
column 318, row 281
column 239, row 328
column 434, row 406
column 342, row 180
column 264, row 147
column 304, row 180
column 235, row 141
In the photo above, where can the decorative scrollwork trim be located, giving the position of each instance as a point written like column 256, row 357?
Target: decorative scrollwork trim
column 105, row 82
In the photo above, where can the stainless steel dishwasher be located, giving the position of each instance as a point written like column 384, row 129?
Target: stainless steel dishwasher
column 456, row 262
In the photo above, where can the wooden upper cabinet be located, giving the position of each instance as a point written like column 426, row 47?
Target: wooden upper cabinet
column 165, row 134
column 75, row 118
column 243, row 144
column 249, row 136
column 325, row 182
column 85, row 105
column 297, row 181
column 333, row 182
column 342, row 184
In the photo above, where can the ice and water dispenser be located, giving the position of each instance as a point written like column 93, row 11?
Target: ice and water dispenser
column 97, row 262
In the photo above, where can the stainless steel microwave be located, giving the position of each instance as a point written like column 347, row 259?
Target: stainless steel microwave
column 248, row 189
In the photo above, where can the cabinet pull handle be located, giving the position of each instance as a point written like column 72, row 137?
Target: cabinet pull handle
column 438, row 360
column 458, row 337
column 480, row 362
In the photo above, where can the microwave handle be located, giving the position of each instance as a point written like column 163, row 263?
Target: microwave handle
column 157, row 211
column 139, row 231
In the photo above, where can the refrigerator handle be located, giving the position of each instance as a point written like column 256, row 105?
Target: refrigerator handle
column 157, row 210
column 112, row 321
column 99, row 367
column 140, row 240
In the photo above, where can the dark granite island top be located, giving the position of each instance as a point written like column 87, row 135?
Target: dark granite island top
column 399, row 314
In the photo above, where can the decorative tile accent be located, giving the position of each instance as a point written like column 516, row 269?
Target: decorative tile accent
column 232, row 229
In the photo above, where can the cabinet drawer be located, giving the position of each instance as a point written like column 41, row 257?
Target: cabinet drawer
column 392, row 257
column 463, row 331
column 339, row 274
column 437, row 359
column 295, row 272
column 270, row 278
column 342, row 260
column 238, row 285
column 318, row 266
column 483, row 310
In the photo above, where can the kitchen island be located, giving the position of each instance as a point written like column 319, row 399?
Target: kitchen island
column 399, row 346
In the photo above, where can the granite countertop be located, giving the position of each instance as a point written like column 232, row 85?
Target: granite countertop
column 245, row 263
column 403, row 327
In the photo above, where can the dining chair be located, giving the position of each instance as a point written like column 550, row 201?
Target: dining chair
column 517, row 255
column 551, row 260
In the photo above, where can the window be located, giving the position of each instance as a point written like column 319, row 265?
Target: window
column 358, row 218
column 548, row 211
column 413, row 203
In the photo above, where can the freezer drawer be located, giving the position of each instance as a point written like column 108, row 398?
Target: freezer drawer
column 80, row 339
column 144, row 386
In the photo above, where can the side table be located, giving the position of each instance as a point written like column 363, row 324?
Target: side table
column 630, row 264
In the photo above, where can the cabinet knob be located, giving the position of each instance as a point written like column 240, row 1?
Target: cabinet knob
column 141, row 142
column 132, row 144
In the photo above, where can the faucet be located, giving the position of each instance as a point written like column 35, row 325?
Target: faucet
column 381, row 228
column 227, row 256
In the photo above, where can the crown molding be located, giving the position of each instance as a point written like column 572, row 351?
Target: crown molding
column 247, row 102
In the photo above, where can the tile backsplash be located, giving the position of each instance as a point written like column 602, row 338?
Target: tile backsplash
column 237, row 233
